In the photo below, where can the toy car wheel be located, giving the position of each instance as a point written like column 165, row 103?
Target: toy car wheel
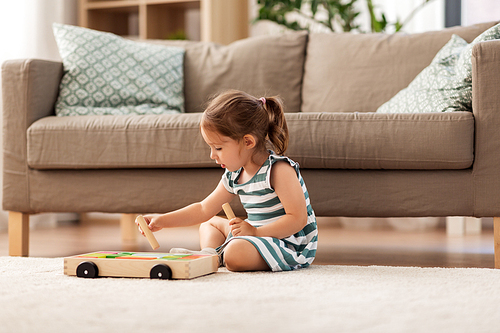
column 161, row 271
column 87, row 269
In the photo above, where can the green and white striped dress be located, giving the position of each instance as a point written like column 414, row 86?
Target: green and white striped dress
column 263, row 206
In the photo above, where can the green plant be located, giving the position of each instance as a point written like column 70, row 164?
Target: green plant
column 340, row 13
column 177, row 35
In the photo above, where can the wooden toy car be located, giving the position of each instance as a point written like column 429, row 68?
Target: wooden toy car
column 140, row 265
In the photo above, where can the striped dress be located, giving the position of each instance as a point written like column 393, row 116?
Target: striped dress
column 263, row 206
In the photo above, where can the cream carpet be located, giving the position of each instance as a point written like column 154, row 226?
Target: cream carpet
column 35, row 296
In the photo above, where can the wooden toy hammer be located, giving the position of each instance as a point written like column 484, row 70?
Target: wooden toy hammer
column 229, row 211
column 149, row 235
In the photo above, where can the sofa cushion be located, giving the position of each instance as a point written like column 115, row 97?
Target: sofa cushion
column 431, row 141
column 435, row 88
column 260, row 66
column 347, row 72
column 89, row 142
column 322, row 140
column 446, row 84
column 107, row 74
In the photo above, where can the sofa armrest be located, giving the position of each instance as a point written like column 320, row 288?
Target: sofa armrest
column 29, row 92
column 486, row 110
column 30, row 87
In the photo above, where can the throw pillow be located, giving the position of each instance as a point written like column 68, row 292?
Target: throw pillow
column 105, row 74
column 446, row 84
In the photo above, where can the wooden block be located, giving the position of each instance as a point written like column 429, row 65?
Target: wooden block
column 149, row 235
column 229, row 211
column 94, row 255
column 137, row 265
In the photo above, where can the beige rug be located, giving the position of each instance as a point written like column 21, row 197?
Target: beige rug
column 35, row 296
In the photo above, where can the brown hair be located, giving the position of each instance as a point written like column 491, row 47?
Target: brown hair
column 235, row 113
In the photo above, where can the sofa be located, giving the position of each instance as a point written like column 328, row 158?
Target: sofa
column 355, row 162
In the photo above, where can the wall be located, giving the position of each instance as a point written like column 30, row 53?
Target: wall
column 476, row 11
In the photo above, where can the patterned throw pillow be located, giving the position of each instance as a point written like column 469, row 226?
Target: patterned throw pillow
column 446, row 84
column 105, row 74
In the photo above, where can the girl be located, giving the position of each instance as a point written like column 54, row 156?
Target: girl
column 280, row 232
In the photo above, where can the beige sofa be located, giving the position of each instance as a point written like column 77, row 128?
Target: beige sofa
column 355, row 162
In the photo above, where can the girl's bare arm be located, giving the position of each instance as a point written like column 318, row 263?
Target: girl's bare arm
column 193, row 214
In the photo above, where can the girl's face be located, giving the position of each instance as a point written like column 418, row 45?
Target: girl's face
column 226, row 152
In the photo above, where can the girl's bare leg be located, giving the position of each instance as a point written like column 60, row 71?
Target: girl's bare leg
column 213, row 233
column 240, row 255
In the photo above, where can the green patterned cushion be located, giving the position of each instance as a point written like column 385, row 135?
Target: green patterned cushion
column 446, row 84
column 105, row 74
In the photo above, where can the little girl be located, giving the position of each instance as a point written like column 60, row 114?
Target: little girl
column 280, row 230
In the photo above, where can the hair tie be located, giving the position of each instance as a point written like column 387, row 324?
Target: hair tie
column 263, row 100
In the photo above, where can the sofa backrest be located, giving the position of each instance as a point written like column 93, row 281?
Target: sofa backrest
column 260, row 66
column 359, row 72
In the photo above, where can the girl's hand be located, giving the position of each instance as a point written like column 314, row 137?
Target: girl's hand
column 153, row 222
column 242, row 228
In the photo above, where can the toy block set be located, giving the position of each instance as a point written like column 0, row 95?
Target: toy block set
column 144, row 264
column 140, row 265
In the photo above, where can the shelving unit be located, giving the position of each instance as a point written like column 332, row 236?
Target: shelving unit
column 221, row 21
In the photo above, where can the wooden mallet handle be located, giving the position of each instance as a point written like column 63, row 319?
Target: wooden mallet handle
column 229, row 211
column 149, row 235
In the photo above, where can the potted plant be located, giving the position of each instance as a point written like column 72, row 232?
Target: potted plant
column 341, row 15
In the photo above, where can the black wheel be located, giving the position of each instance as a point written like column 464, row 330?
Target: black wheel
column 160, row 271
column 87, row 269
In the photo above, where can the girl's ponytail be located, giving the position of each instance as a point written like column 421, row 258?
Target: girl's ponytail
column 278, row 129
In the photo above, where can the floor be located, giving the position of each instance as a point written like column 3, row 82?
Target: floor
column 337, row 244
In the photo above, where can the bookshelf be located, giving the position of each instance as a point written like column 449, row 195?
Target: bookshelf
column 221, row 21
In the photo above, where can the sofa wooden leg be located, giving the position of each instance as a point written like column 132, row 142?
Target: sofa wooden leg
column 19, row 234
column 496, row 237
column 128, row 228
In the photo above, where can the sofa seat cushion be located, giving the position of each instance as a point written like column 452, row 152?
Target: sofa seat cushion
column 431, row 141
column 317, row 140
column 91, row 142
